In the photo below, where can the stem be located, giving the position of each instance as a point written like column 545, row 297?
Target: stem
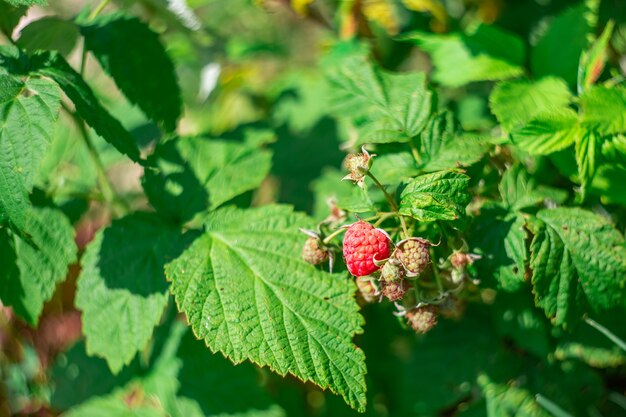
column 95, row 12
column 415, row 153
column 384, row 216
column 391, row 201
column 330, row 237
column 106, row 188
column 610, row 335
column 83, row 61
column 438, row 281
column 550, row 406
column 99, row 8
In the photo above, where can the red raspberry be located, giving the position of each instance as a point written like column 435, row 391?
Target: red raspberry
column 360, row 245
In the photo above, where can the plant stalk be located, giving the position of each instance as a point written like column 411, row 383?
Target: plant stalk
column 392, row 203
column 104, row 184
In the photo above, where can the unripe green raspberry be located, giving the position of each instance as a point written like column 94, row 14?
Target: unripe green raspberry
column 414, row 255
column 357, row 165
column 367, row 288
column 394, row 290
column 392, row 271
column 422, row 319
column 312, row 253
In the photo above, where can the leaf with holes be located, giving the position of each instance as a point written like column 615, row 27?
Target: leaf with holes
column 441, row 195
column 247, row 293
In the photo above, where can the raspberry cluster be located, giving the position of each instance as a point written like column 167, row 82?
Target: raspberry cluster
column 401, row 272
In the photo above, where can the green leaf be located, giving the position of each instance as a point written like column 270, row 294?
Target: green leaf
column 499, row 237
column 614, row 150
column 78, row 377
column 517, row 318
column 10, row 88
column 198, row 173
column 26, row 131
column 578, row 262
column 604, row 109
column 592, row 61
column 514, row 189
column 401, row 98
column 133, row 55
column 31, row 270
column 26, row 2
column 516, row 103
column 179, row 375
column 10, row 17
column 503, row 400
column 608, row 183
column 483, row 53
column 589, row 345
column 417, row 383
column 344, row 194
column 131, row 403
column 393, row 168
column 442, row 147
column 519, row 192
column 569, row 386
column 304, row 101
column 49, row 33
column 549, row 132
column 190, row 381
column 357, row 86
column 586, row 159
column 87, row 105
column 551, row 55
column 247, row 293
column 408, row 100
column 441, row 195
column 216, row 385
column 382, row 130
column 121, row 289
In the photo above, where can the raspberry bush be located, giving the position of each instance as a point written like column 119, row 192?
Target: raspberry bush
column 312, row 208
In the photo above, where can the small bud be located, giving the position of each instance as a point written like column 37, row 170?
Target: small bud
column 452, row 307
column 392, row 271
column 358, row 165
column 460, row 260
column 422, row 319
column 336, row 214
column 414, row 255
column 367, row 288
column 394, row 290
column 457, row 276
column 312, row 252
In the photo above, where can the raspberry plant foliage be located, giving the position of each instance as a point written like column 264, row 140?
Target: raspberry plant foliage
column 228, row 208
